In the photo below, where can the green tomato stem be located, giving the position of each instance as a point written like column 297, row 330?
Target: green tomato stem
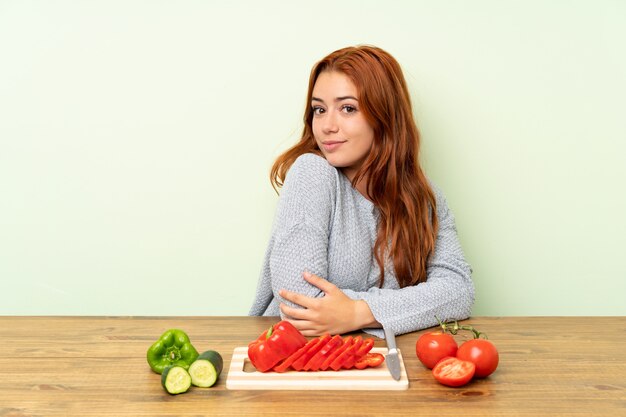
column 453, row 327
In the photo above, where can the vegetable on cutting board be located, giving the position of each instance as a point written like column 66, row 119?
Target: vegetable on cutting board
column 172, row 348
column 275, row 344
column 289, row 350
column 175, row 379
column 206, row 369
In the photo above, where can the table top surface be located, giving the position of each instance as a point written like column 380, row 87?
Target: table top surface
column 96, row 366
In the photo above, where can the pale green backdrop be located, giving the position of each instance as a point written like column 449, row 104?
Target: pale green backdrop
column 136, row 139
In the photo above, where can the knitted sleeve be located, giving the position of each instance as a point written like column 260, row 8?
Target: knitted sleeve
column 301, row 227
column 448, row 292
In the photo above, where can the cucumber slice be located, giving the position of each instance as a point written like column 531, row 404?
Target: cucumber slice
column 175, row 379
column 206, row 369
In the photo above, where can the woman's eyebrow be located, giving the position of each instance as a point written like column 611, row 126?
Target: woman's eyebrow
column 337, row 99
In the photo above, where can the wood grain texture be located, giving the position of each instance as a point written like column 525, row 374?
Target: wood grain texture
column 96, row 366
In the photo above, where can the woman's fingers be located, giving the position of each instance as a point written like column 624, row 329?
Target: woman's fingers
column 303, row 300
column 309, row 333
column 296, row 298
column 319, row 282
column 305, row 327
column 295, row 313
column 313, row 316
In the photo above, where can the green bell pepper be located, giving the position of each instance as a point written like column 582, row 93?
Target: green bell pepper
column 172, row 348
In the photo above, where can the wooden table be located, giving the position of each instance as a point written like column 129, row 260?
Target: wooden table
column 96, row 366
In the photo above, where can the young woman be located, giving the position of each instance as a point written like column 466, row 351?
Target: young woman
column 361, row 238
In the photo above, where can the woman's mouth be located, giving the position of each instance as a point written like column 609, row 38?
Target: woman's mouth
column 331, row 145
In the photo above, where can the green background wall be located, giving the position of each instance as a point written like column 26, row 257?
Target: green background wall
column 136, row 139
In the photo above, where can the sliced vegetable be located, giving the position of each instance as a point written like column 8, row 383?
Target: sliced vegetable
column 175, row 379
column 206, row 369
column 347, row 342
column 172, row 348
column 453, row 372
column 317, row 354
column 367, row 345
column 480, row 351
column 304, row 359
column 370, row 360
column 357, row 352
column 318, row 359
column 286, row 364
column 340, row 360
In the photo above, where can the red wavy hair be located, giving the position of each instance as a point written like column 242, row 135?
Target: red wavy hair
column 396, row 183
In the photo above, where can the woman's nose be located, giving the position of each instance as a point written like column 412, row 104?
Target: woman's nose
column 330, row 124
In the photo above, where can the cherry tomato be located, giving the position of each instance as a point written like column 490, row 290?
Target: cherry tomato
column 454, row 372
column 481, row 353
column 433, row 347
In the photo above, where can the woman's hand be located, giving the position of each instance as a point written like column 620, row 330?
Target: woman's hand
column 335, row 313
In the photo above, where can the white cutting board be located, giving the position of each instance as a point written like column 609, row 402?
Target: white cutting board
column 242, row 375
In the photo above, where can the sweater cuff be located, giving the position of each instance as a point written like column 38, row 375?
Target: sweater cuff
column 363, row 296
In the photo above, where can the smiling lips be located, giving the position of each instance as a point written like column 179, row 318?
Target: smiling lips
column 331, row 145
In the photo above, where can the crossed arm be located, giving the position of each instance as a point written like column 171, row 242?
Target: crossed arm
column 315, row 306
column 334, row 313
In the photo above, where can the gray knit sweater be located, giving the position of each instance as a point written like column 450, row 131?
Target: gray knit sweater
column 325, row 226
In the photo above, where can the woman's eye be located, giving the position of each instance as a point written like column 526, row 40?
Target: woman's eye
column 317, row 110
column 348, row 108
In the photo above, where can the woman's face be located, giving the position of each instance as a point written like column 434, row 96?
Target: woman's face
column 340, row 129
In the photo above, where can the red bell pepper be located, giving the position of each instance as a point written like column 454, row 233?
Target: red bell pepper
column 318, row 359
column 286, row 364
column 370, row 360
column 298, row 365
column 275, row 344
column 367, row 345
column 340, row 360
column 359, row 351
column 347, row 342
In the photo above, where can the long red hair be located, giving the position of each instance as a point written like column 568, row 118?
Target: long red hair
column 396, row 183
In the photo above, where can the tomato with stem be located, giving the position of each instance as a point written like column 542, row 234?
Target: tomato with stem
column 434, row 346
column 482, row 353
